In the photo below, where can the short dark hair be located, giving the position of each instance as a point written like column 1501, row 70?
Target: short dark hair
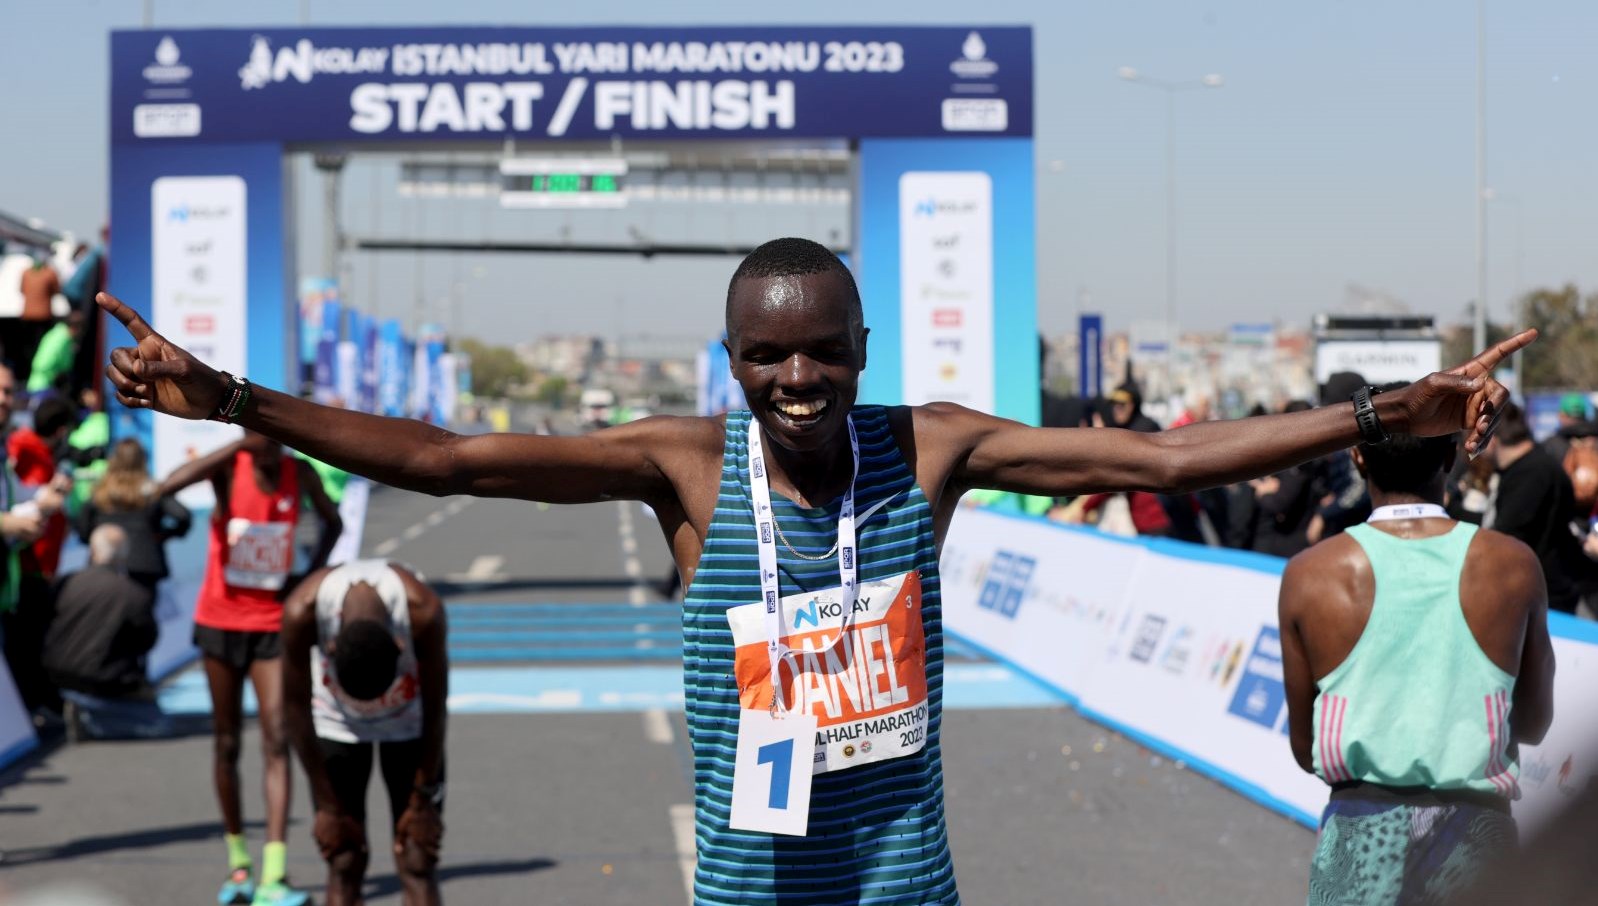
column 1339, row 386
column 365, row 657
column 1406, row 464
column 53, row 414
column 789, row 257
column 1512, row 425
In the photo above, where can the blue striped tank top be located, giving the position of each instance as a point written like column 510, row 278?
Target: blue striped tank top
column 876, row 832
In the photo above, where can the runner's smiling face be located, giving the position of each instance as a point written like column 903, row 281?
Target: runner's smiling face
column 797, row 347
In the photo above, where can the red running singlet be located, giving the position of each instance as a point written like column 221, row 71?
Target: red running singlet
column 252, row 550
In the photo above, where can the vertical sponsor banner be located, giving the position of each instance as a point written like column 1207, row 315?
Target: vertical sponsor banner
column 421, row 380
column 324, row 381
column 390, row 369
column 366, row 340
column 347, row 373
column 921, row 348
column 446, row 390
column 1090, row 356
column 463, row 375
column 314, row 293
column 198, row 299
column 429, row 387
column 718, row 392
column 946, row 288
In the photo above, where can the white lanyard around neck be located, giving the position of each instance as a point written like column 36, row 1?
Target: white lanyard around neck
column 1408, row 511
column 765, row 531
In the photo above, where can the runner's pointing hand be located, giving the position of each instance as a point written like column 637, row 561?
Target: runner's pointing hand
column 1466, row 398
column 158, row 375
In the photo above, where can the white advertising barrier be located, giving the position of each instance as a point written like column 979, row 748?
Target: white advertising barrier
column 1177, row 646
column 1198, row 666
column 16, row 728
column 1052, row 609
column 1562, row 765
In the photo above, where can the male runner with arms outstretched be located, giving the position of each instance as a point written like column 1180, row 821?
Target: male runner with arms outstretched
column 797, row 342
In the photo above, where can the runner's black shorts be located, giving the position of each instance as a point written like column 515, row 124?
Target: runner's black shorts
column 237, row 648
column 349, row 768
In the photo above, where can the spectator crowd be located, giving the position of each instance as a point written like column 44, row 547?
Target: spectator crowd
column 1543, row 493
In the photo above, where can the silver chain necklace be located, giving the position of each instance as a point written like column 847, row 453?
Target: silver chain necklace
column 784, row 538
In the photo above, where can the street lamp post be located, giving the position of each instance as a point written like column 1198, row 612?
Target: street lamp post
column 1212, row 80
column 1480, row 332
column 1517, row 307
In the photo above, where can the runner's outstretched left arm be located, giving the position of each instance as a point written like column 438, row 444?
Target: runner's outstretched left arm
column 991, row 452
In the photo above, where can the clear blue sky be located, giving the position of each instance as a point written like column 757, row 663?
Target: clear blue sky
column 1340, row 151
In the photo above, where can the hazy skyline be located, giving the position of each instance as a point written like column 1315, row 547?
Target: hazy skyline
column 1339, row 152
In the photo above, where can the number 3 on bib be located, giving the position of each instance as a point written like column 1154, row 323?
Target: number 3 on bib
column 771, row 778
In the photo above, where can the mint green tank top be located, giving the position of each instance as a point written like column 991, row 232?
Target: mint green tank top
column 1417, row 703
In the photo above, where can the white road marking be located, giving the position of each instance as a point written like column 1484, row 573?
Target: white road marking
column 682, row 829
column 638, row 595
column 433, row 520
column 484, row 568
column 547, row 700
column 657, row 727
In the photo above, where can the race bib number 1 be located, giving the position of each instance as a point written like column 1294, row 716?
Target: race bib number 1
column 863, row 678
column 771, row 778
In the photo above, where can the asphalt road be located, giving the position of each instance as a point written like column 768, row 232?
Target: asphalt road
column 568, row 761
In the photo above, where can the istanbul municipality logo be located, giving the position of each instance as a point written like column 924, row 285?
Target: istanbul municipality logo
column 168, row 67
column 974, row 62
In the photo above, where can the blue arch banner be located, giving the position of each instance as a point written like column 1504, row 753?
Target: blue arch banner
column 376, row 84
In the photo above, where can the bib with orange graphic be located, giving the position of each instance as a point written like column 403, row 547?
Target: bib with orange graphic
column 867, row 688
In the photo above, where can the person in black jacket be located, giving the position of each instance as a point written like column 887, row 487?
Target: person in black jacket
column 104, row 625
column 1534, row 503
column 127, row 498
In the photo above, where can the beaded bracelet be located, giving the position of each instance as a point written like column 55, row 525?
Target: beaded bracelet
column 238, row 397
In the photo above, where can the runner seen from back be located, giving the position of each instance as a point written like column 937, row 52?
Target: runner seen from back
column 1416, row 657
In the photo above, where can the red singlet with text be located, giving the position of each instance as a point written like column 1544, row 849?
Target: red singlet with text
column 252, row 550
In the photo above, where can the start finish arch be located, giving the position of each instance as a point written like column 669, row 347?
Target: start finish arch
column 940, row 119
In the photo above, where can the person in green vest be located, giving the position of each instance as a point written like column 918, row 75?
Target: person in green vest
column 1009, row 502
column 333, row 478
column 58, row 348
column 87, row 447
column 1416, row 660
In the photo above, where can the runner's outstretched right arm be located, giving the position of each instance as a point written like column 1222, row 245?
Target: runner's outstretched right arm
column 615, row 463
